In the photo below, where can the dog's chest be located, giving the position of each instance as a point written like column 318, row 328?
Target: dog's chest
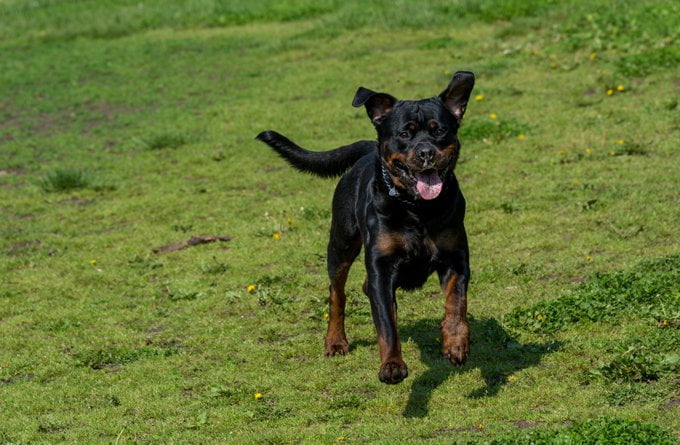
column 415, row 253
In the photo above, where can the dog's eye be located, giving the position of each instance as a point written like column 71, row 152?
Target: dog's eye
column 439, row 132
column 405, row 135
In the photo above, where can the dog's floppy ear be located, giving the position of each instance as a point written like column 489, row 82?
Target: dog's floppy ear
column 457, row 94
column 377, row 104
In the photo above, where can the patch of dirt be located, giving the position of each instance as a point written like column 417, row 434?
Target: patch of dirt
column 156, row 330
column 8, row 122
column 18, row 378
column 23, row 246
column 114, row 368
column 97, row 114
column 551, row 277
column 107, row 110
column 17, row 171
column 93, row 113
column 313, row 270
column 8, row 172
column 670, row 404
column 188, row 392
column 41, row 124
column 365, row 393
column 525, row 424
column 80, row 201
column 6, row 138
column 164, row 343
column 193, row 241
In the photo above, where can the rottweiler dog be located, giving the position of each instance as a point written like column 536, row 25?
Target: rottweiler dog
column 400, row 200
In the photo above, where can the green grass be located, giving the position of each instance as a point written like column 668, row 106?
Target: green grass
column 644, row 359
column 164, row 140
column 127, row 125
column 64, row 180
column 613, row 431
column 650, row 289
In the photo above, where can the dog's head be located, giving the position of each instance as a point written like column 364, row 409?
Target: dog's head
column 417, row 139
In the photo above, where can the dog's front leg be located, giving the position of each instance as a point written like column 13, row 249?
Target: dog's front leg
column 380, row 288
column 455, row 326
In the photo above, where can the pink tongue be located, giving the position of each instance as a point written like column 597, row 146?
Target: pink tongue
column 429, row 185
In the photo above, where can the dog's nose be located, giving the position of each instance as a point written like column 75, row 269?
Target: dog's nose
column 425, row 154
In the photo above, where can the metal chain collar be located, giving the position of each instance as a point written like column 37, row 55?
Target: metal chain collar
column 392, row 190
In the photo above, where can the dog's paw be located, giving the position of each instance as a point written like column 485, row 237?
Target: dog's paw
column 456, row 343
column 393, row 371
column 337, row 347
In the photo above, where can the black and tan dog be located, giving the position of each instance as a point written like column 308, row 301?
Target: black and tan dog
column 400, row 199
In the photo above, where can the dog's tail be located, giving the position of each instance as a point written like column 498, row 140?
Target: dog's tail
column 322, row 163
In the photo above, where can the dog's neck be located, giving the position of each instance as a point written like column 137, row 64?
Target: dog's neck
column 392, row 189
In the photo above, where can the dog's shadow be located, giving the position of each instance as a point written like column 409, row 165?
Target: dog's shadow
column 493, row 351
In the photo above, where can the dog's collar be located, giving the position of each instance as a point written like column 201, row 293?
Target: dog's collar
column 391, row 189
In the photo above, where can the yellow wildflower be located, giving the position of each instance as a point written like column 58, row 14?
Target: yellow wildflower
column 588, row 150
column 512, row 378
column 250, row 288
column 493, row 116
column 340, row 439
column 665, row 323
column 539, row 317
column 325, row 315
column 620, row 88
column 521, row 136
column 276, row 235
column 619, row 142
column 479, row 97
column 610, row 92
column 589, row 258
column 93, row 262
column 480, row 426
column 257, row 395
column 593, row 56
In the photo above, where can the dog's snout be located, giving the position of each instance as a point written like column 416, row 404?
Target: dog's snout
column 425, row 154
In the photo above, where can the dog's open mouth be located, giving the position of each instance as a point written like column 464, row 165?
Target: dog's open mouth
column 427, row 183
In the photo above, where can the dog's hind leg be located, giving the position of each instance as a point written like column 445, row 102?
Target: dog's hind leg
column 342, row 251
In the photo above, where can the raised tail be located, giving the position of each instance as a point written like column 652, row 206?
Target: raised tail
column 322, row 163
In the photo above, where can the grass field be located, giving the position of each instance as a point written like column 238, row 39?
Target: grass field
column 129, row 125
